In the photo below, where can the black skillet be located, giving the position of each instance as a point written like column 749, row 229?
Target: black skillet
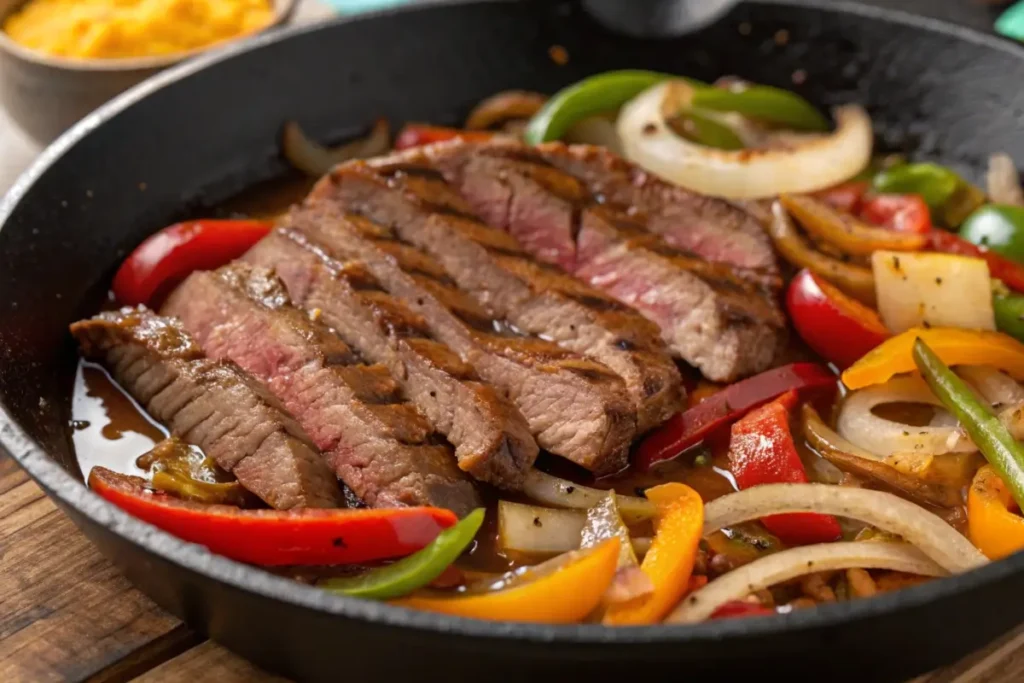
column 199, row 134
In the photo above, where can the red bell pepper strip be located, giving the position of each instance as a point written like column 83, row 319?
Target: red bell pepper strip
column 416, row 135
column 278, row 537
column 837, row 327
column 846, row 197
column 999, row 267
column 741, row 608
column 690, row 427
column 167, row 257
column 899, row 212
column 762, row 451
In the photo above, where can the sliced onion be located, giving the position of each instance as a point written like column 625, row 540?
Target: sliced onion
column 863, row 428
column 1003, row 181
column 1002, row 391
column 563, row 493
column 316, row 160
column 812, row 165
column 504, row 106
column 790, row 564
column 929, row 533
column 537, row 530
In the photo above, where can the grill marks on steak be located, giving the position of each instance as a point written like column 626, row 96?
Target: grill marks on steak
column 413, row 199
column 720, row 322
column 211, row 404
column 380, row 446
column 491, row 438
column 708, row 227
column 574, row 407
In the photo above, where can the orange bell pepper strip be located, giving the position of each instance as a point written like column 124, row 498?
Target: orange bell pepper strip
column 565, row 596
column 953, row 345
column 991, row 526
column 848, row 233
column 669, row 562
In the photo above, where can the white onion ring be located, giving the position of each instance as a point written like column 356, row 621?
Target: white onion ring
column 789, row 564
column 932, row 536
column 858, row 425
column 563, row 493
column 1003, row 181
column 536, row 530
column 814, row 164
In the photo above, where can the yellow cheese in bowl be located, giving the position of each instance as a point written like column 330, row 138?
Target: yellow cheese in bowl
column 114, row 29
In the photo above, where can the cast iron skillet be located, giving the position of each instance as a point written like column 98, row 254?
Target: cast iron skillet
column 198, row 134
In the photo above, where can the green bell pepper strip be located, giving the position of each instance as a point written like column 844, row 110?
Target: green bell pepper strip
column 597, row 94
column 764, row 103
column 987, row 432
column 414, row 571
column 998, row 228
column 699, row 127
column 1009, row 310
column 935, row 184
column 950, row 197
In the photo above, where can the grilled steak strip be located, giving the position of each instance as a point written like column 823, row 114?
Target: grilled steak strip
column 210, row 404
column 488, row 264
column 575, row 407
column 491, row 438
column 379, row 445
column 711, row 228
column 714, row 319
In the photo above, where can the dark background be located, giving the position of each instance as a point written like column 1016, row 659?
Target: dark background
column 979, row 14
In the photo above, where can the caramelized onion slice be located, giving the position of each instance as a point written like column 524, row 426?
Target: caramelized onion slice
column 930, row 534
column 545, row 488
column 504, row 106
column 790, row 564
column 1003, row 181
column 315, row 160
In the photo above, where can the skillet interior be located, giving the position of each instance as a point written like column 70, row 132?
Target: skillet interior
column 197, row 135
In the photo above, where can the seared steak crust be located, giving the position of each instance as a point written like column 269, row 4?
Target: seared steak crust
column 711, row 228
column 575, row 407
column 715, row 318
column 210, row 404
column 377, row 443
column 413, row 199
column 491, row 438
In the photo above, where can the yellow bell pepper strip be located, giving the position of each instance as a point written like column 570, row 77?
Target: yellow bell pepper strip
column 566, row 595
column 844, row 231
column 991, row 526
column 669, row 562
column 954, row 346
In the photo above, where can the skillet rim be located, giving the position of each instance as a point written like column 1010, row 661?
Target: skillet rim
column 70, row 491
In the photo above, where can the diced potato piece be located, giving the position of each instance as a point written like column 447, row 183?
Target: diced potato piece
column 932, row 290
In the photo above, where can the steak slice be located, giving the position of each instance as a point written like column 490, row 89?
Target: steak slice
column 210, row 404
column 710, row 316
column 711, row 228
column 491, row 438
column 379, row 445
column 415, row 201
column 575, row 407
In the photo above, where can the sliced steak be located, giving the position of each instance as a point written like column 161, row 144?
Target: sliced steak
column 210, row 404
column 491, row 438
column 378, row 444
column 711, row 228
column 488, row 264
column 713, row 318
column 575, row 407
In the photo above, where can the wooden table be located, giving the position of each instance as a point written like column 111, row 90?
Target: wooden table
column 67, row 615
